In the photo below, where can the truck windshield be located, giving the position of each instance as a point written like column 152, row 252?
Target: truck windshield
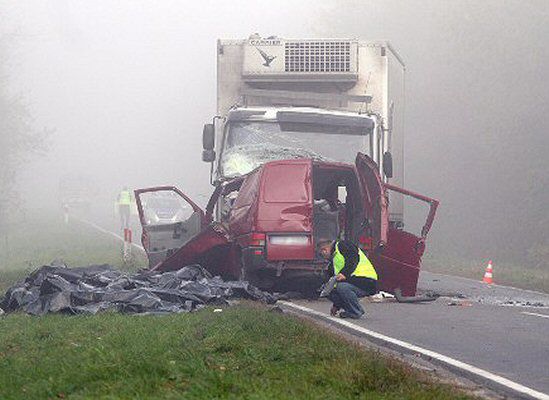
column 249, row 144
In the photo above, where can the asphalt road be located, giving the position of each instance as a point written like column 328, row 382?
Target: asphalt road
column 480, row 327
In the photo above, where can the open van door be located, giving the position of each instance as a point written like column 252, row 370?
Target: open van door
column 169, row 220
column 400, row 263
column 376, row 220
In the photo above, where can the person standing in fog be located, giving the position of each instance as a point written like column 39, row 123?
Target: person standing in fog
column 124, row 202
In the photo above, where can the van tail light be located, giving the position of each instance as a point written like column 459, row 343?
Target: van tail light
column 257, row 239
column 366, row 242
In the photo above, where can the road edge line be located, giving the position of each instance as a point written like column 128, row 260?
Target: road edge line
column 95, row 226
column 470, row 370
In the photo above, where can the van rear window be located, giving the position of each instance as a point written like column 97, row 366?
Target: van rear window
column 287, row 183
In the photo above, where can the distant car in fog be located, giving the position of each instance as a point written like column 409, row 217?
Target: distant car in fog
column 77, row 192
column 165, row 210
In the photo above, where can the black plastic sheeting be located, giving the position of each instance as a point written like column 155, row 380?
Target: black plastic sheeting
column 88, row 290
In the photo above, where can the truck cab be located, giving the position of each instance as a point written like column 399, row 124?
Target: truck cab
column 256, row 135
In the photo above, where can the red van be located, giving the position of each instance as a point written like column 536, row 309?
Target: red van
column 274, row 216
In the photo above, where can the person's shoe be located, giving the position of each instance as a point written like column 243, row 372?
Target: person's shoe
column 333, row 311
column 345, row 314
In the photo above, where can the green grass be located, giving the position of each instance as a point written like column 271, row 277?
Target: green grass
column 40, row 240
column 242, row 352
column 504, row 273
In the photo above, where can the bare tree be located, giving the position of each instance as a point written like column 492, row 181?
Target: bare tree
column 19, row 139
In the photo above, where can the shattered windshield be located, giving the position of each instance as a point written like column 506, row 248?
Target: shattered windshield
column 249, row 144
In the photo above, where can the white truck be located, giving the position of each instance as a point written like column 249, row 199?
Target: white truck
column 290, row 98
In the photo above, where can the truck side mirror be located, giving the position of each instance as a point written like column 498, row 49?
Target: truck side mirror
column 388, row 164
column 208, row 137
column 208, row 155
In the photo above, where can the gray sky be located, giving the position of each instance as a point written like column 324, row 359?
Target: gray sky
column 127, row 85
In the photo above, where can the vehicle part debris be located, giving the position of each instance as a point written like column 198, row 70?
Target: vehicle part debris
column 382, row 297
column 415, row 299
column 461, row 303
column 97, row 288
column 520, row 303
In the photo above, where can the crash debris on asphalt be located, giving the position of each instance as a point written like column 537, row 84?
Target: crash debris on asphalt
column 96, row 288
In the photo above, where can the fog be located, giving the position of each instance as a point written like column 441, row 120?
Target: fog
column 126, row 86
column 476, row 128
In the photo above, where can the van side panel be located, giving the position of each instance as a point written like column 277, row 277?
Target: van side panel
column 243, row 214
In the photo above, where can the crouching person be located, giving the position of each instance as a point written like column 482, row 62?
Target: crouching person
column 355, row 276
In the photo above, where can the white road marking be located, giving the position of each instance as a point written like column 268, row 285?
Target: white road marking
column 429, row 353
column 535, row 314
column 108, row 232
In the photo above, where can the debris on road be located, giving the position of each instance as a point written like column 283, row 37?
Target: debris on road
column 478, row 292
column 520, row 303
column 382, row 297
column 97, row 288
column 429, row 296
column 461, row 303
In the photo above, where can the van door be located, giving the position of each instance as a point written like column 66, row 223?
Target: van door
column 376, row 219
column 400, row 263
column 169, row 219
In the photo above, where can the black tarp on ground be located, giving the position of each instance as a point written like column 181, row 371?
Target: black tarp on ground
column 102, row 287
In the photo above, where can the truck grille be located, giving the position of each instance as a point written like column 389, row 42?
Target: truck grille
column 317, row 56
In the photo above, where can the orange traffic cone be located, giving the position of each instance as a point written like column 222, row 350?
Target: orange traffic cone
column 488, row 275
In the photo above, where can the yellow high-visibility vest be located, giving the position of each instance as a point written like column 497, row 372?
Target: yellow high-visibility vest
column 125, row 198
column 364, row 267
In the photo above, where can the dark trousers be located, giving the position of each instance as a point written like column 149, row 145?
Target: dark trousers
column 345, row 296
column 124, row 211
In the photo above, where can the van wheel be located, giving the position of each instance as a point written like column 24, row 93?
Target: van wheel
column 248, row 276
column 255, row 278
column 243, row 276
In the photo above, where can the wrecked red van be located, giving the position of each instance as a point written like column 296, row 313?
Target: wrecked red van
column 275, row 216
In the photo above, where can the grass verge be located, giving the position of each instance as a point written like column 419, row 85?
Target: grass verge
column 242, row 352
column 504, row 273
